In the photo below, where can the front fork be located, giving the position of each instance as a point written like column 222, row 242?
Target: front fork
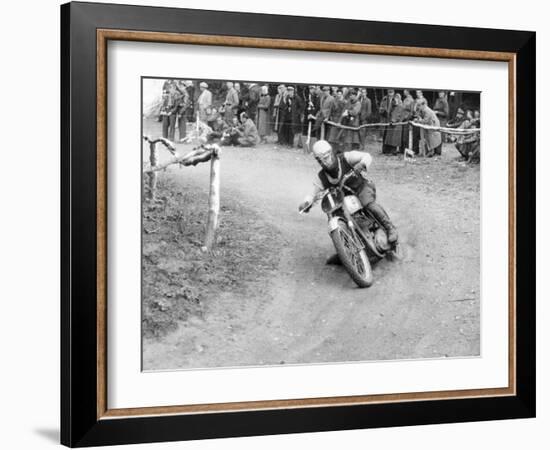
column 333, row 225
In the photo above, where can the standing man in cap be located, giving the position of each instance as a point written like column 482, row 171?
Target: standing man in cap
column 263, row 113
column 366, row 113
column 290, row 111
column 204, row 101
column 251, row 100
column 389, row 140
column 231, row 103
column 441, row 108
column 335, row 133
column 182, row 100
column 168, row 113
column 416, row 131
column 351, row 117
column 326, row 102
column 277, row 102
column 311, row 98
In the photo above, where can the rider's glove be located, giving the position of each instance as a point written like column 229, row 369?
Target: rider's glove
column 358, row 168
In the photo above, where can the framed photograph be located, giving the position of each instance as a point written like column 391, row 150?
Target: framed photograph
column 278, row 224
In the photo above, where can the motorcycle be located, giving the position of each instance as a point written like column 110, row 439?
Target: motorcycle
column 359, row 238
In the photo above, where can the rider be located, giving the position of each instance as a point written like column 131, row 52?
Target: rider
column 335, row 167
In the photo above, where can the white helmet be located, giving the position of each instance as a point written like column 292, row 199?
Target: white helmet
column 324, row 154
column 321, row 149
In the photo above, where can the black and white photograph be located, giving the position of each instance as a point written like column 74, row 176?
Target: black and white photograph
column 289, row 223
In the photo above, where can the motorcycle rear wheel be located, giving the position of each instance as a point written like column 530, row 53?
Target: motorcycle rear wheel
column 354, row 258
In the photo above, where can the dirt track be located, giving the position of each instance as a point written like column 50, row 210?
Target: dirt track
column 423, row 307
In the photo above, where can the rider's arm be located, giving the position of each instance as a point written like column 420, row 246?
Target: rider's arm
column 308, row 200
column 316, row 189
column 359, row 160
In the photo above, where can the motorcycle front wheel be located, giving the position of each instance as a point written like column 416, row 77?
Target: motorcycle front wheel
column 353, row 257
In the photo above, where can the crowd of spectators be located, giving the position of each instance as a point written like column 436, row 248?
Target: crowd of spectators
column 247, row 114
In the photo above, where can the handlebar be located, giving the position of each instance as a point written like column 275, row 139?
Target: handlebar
column 323, row 192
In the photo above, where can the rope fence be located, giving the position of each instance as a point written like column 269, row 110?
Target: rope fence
column 459, row 131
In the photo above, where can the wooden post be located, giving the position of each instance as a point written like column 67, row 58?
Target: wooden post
column 408, row 151
column 152, row 174
column 308, row 140
column 422, row 144
column 213, row 201
column 323, row 131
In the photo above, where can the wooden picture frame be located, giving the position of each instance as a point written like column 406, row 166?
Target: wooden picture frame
column 85, row 416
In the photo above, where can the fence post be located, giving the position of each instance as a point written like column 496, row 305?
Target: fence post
column 213, row 201
column 152, row 174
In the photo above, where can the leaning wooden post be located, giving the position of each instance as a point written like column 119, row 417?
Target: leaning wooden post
column 153, row 173
column 213, row 200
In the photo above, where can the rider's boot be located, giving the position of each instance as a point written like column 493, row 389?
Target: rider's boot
column 382, row 216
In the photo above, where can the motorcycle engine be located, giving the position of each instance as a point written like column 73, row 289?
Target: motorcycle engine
column 381, row 240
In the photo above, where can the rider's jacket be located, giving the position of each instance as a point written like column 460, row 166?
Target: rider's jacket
column 355, row 183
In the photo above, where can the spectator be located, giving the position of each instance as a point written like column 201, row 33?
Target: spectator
column 408, row 104
column 458, row 119
column 325, row 105
column 240, row 108
column 204, row 101
column 351, row 117
column 248, row 133
column 416, row 130
column 391, row 110
column 251, row 100
column 190, row 88
column 279, row 98
column 441, row 108
column 468, row 145
column 476, row 122
column 290, row 113
column 408, row 114
column 231, row 103
column 336, row 111
column 211, row 116
column 231, row 134
column 182, row 100
column 168, row 113
column 263, row 113
column 311, row 99
column 219, row 129
column 431, row 138
column 364, row 117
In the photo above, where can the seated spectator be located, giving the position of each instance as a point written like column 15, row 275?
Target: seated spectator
column 457, row 120
column 248, row 133
column 230, row 136
column 219, row 128
column 468, row 145
column 211, row 116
